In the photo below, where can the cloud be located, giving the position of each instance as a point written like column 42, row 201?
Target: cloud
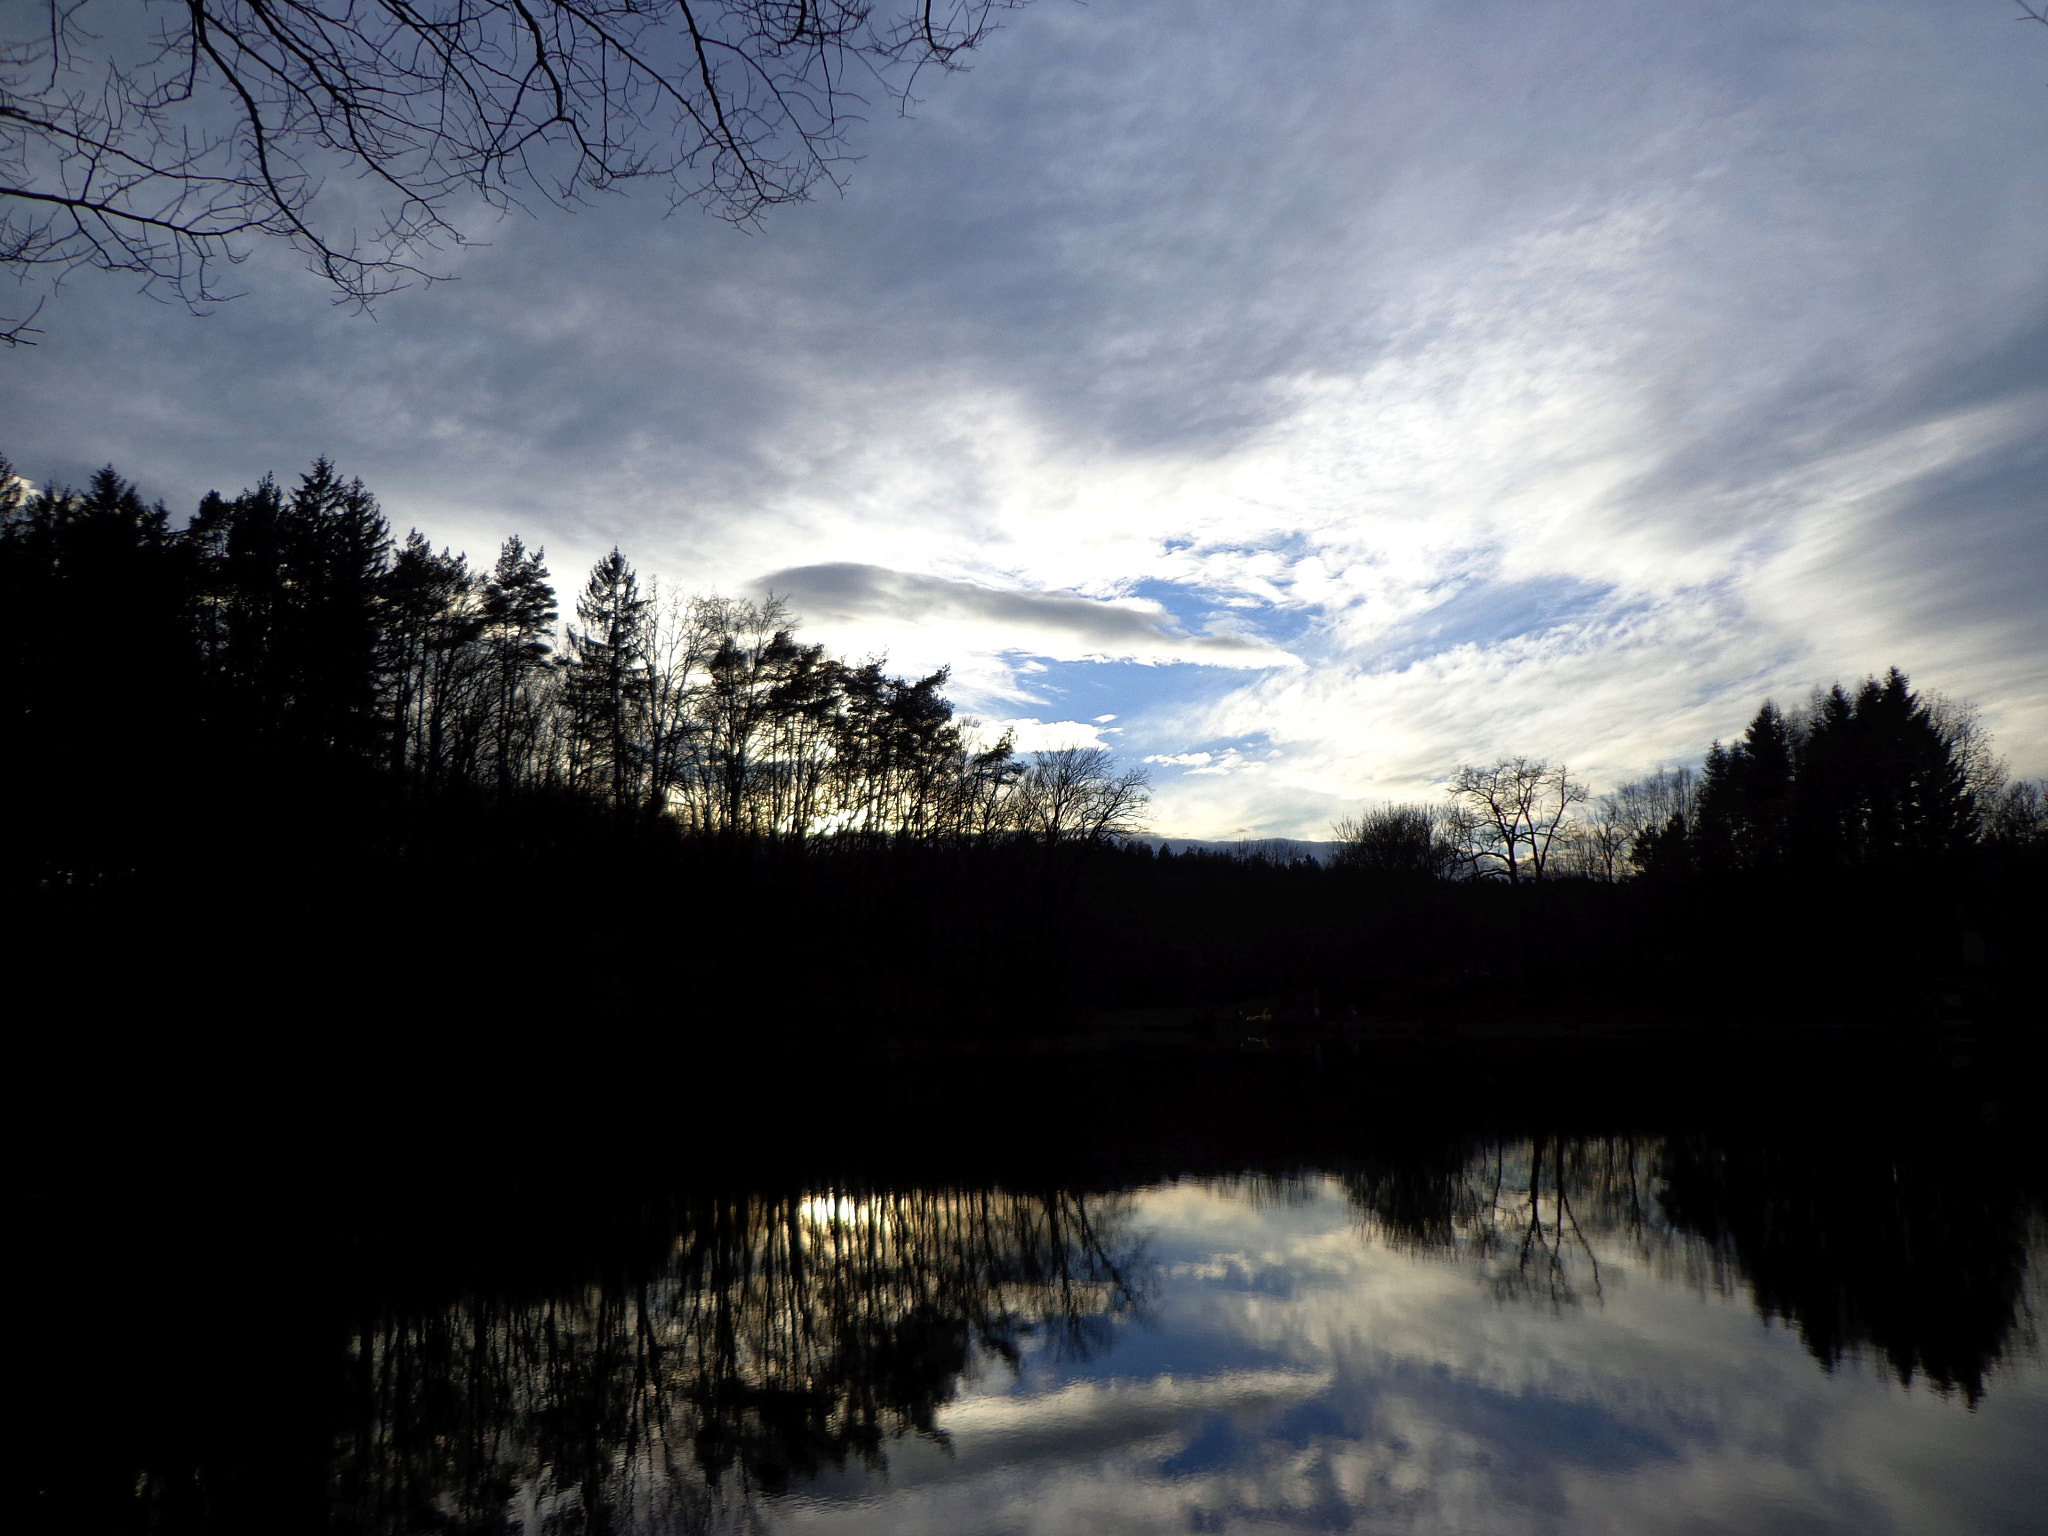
column 1416, row 401
column 845, row 595
column 1028, row 735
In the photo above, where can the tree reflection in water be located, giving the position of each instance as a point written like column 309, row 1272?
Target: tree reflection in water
column 1919, row 1258
column 780, row 1338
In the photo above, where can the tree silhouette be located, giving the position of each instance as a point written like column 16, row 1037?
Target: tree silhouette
column 295, row 591
column 1744, row 816
column 434, row 674
column 517, row 623
column 1074, row 796
column 1514, row 813
column 1397, row 841
column 99, row 678
column 603, row 687
column 1879, row 781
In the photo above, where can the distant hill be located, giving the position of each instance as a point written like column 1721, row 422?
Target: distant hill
column 1279, row 848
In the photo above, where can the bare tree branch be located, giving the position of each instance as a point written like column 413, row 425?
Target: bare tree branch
column 162, row 153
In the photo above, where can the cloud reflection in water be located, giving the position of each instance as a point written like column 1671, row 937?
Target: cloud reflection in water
column 1624, row 1334
column 1293, row 1371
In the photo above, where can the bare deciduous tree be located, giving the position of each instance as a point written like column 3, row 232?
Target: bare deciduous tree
column 2018, row 816
column 158, row 139
column 1961, row 729
column 1400, row 840
column 1647, row 805
column 1076, row 795
column 1596, row 848
column 1517, row 808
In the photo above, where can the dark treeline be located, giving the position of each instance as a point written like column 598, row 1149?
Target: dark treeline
column 276, row 758
column 1864, row 860
column 275, row 751
column 286, row 634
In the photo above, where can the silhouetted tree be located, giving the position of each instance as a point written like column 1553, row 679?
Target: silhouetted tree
column 1643, row 809
column 899, row 751
column 436, row 677
column 516, row 624
column 604, row 684
column 1400, row 841
column 676, row 649
column 2018, row 817
column 755, row 669
column 1076, row 795
column 1878, row 782
column 1665, row 853
column 1515, row 811
column 292, row 608
column 99, row 677
column 1744, row 816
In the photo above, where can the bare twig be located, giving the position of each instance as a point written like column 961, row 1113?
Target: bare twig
column 165, row 157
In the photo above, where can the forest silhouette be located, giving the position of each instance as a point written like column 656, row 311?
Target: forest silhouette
column 275, row 758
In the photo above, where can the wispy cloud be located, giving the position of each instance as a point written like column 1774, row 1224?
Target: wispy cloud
column 844, row 596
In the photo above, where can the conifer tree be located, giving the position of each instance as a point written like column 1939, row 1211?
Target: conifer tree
column 603, row 691
column 1879, row 781
column 291, row 608
column 432, row 618
column 337, row 546
column 518, row 621
column 1744, row 818
column 99, row 683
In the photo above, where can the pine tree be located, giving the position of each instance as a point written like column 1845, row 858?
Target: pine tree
column 518, row 621
column 1879, row 781
column 291, row 609
column 99, row 686
column 432, row 619
column 602, row 681
column 336, row 548
column 1746, row 793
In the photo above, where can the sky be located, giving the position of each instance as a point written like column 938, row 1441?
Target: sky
column 1298, row 400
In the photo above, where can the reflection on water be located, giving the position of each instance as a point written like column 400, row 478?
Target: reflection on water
column 781, row 1337
column 1540, row 1335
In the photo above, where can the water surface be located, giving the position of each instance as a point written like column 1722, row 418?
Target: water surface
column 1630, row 1334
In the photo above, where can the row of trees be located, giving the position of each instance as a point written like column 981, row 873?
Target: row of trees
column 1878, row 777
column 313, row 736
column 290, row 623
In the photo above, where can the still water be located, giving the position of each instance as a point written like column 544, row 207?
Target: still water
column 1632, row 1334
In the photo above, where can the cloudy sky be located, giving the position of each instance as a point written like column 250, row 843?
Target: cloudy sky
column 1301, row 398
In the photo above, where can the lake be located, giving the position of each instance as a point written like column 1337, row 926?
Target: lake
column 1480, row 1298
column 1626, row 1334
